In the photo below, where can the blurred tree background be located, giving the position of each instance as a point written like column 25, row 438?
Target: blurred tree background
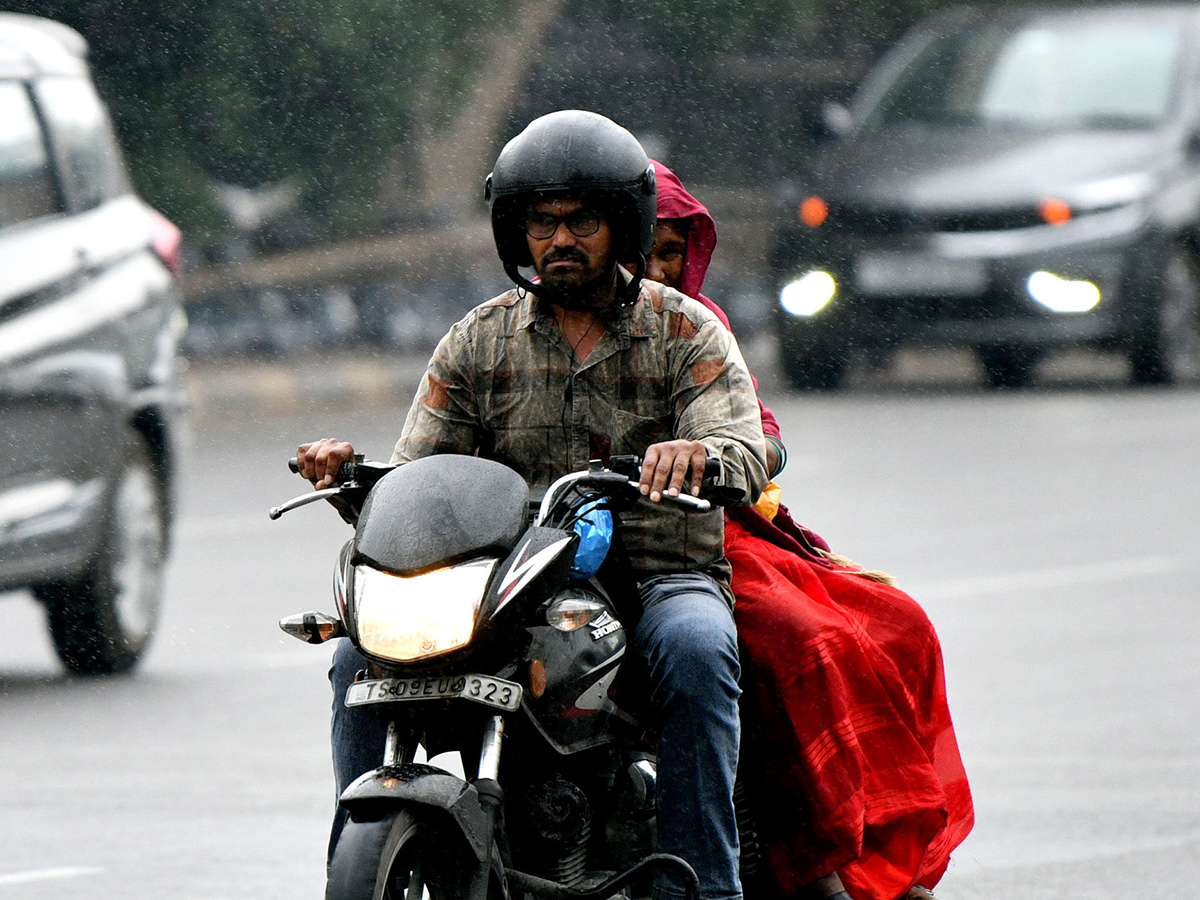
column 376, row 114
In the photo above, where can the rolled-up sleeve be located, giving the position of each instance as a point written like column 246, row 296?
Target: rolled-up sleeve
column 716, row 403
column 444, row 416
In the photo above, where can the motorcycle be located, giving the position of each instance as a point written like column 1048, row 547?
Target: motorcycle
column 485, row 624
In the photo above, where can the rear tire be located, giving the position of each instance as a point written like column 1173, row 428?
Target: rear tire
column 102, row 621
column 1168, row 349
column 400, row 856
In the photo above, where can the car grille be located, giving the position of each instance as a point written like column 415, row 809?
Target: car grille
column 867, row 221
column 908, row 310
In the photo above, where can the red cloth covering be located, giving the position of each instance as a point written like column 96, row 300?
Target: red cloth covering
column 848, row 749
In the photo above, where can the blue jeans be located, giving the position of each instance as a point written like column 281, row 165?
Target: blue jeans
column 357, row 735
column 687, row 644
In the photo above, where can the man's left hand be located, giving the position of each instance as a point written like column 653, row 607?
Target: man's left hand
column 665, row 468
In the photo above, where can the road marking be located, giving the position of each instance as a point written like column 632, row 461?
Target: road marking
column 45, row 875
column 1058, row 576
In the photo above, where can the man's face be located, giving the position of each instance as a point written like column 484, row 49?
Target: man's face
column 569, row 261
column 665, row 262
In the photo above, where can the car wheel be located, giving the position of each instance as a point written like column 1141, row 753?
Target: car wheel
column 815, row 368
column 103, row 621
column 1008, row 367
column 1168, row 351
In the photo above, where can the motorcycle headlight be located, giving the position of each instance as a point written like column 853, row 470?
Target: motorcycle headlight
column 407, row 618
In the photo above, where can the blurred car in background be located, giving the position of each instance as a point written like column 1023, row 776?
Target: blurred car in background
column 90, row 391
column 1011, row 179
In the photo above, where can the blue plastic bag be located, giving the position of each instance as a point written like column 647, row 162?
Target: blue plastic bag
column 595, row 530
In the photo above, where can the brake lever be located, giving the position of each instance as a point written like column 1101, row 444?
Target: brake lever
column 347, row 482
column 696, row 504
column 303, row 500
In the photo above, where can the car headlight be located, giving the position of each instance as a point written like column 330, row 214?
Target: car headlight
column 808, row 294
column 1062, row 295
column 407, row 618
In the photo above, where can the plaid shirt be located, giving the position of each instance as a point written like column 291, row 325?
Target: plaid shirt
column 504, row 383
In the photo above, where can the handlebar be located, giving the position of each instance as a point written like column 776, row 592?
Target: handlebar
column 346, row 471
column 355, row 478
column 621, row 475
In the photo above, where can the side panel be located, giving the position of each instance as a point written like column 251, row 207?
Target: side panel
column 85, row 357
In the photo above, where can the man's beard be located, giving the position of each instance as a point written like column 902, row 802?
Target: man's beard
column 591, row 289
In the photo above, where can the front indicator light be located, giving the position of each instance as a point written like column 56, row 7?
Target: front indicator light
column 312, row 627
column 570, row 613
column 1061, row 295
column 809, row 294
column 414, row 617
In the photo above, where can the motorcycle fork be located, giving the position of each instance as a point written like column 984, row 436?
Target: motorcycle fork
column 491, row 797
column 395, row 750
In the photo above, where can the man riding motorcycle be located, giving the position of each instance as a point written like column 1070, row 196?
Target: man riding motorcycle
column 587, row 362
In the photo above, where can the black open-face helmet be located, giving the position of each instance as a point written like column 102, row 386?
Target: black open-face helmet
column 582, row 153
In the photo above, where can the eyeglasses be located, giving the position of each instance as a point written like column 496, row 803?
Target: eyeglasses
column 581, row 223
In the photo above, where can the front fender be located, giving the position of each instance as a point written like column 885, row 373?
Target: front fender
column 416, row 784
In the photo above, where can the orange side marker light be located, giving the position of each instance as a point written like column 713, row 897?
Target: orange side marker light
column 813, row 211
column 1054, row 211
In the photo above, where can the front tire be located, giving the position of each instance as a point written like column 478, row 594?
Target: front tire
column 401, row 856
column 1168, row 349
column 102, row 621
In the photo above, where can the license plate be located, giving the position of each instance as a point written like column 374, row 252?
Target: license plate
column 495, row 692
column 916, row 274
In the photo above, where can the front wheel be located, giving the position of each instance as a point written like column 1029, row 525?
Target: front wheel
column 401, row 856
column 1168, row 349
column 102, row 621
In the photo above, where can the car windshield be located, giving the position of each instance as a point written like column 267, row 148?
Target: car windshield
column 1057, row 72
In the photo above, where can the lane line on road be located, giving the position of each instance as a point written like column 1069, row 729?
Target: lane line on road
column 1057, row 576
column 45, row 875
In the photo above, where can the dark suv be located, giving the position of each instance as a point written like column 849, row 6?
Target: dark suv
column 1011, row 179
column 90, row 317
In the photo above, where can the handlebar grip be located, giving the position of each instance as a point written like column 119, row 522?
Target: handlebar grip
column 687, row 500
column 346, row 471
column 712, row 468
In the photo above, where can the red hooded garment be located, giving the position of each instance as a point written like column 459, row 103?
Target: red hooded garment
column 848, row 749
column 674, row 202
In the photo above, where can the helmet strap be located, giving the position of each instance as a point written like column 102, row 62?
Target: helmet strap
column 624, row 295
column 629, row 294
column 514, row 274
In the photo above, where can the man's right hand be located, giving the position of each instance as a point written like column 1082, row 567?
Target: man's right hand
column 320, row 460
